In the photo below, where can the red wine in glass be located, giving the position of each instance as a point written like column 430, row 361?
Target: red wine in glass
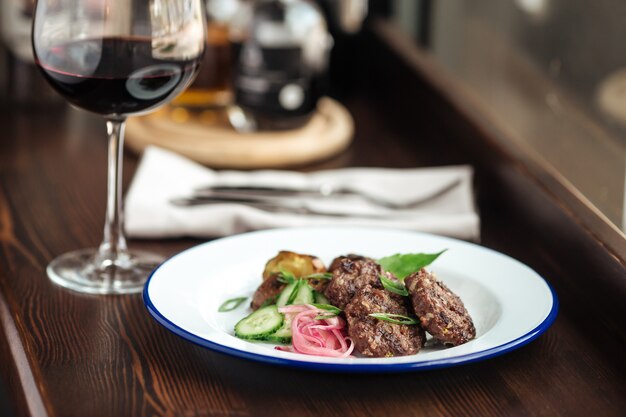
column 116, row 58
column 114, row 75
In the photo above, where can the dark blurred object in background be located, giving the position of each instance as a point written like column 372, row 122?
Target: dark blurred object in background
column 345, row 20
column 280, row 52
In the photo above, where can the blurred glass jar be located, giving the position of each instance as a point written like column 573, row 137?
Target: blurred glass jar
column 280, row 52
column 212, row 88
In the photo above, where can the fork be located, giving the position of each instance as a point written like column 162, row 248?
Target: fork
column 324, row 190
column 273, row 206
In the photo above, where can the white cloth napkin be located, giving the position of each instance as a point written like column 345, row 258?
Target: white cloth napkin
column 163, row 176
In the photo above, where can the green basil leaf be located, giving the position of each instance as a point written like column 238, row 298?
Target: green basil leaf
column 394, row 318
column 230, row 305
column 403, row 265
column 393, row 286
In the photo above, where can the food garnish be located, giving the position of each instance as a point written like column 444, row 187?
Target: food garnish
column 260, row 324
column 393, row 286
column 329, row 313
column 286, row 277
column 297, row 292
column 312, row 335
column 231, row 304
column 394, row 318
column 322, row 275
column 331, row 309
column 403, row 265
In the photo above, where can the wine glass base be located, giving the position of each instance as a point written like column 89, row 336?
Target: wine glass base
column 83, row 271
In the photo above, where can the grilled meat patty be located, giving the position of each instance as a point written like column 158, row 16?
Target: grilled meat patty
column 269, row 288
column 378, row 338
column 336, row 263
column 440, row 311
column 349, row 276
column 318, row 285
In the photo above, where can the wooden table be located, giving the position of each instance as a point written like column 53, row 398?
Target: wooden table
column 63, row 354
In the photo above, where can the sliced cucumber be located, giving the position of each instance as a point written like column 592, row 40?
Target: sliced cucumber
column 283, row 297
column 298, row 292
column 260, row 324
column 282, row 335
column 320, row 298
column 304, row 294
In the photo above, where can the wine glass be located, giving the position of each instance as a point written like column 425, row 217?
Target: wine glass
column 116, row 58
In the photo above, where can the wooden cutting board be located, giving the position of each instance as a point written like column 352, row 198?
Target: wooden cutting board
column 328, row 132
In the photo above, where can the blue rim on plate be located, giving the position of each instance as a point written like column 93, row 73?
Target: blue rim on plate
column 351, row 367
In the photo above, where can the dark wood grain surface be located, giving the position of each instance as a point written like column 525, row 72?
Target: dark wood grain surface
column 64, row 354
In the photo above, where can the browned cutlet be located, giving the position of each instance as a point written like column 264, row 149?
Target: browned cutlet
column 378, row 338
column 348, row 277
column 269, row 289
column 318, row 285
column 336, row 263
column 440, row 311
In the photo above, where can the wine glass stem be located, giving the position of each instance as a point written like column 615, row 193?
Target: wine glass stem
column 113, row 247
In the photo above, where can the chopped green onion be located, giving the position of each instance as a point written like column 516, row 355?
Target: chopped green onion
column 327, row 307
column 394, row 318
column 323, row 275
column 325, row 316
column 286, row 277
column 294, row 292
column 230, row 305
column 393, row 286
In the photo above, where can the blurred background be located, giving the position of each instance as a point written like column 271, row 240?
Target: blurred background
column 549, row 73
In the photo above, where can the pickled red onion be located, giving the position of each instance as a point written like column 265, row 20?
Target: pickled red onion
column 321, row 336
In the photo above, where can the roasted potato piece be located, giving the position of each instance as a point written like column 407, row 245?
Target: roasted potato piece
column 298, row 264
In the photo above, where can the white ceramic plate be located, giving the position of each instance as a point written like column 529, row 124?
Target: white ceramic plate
column 509, row 303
